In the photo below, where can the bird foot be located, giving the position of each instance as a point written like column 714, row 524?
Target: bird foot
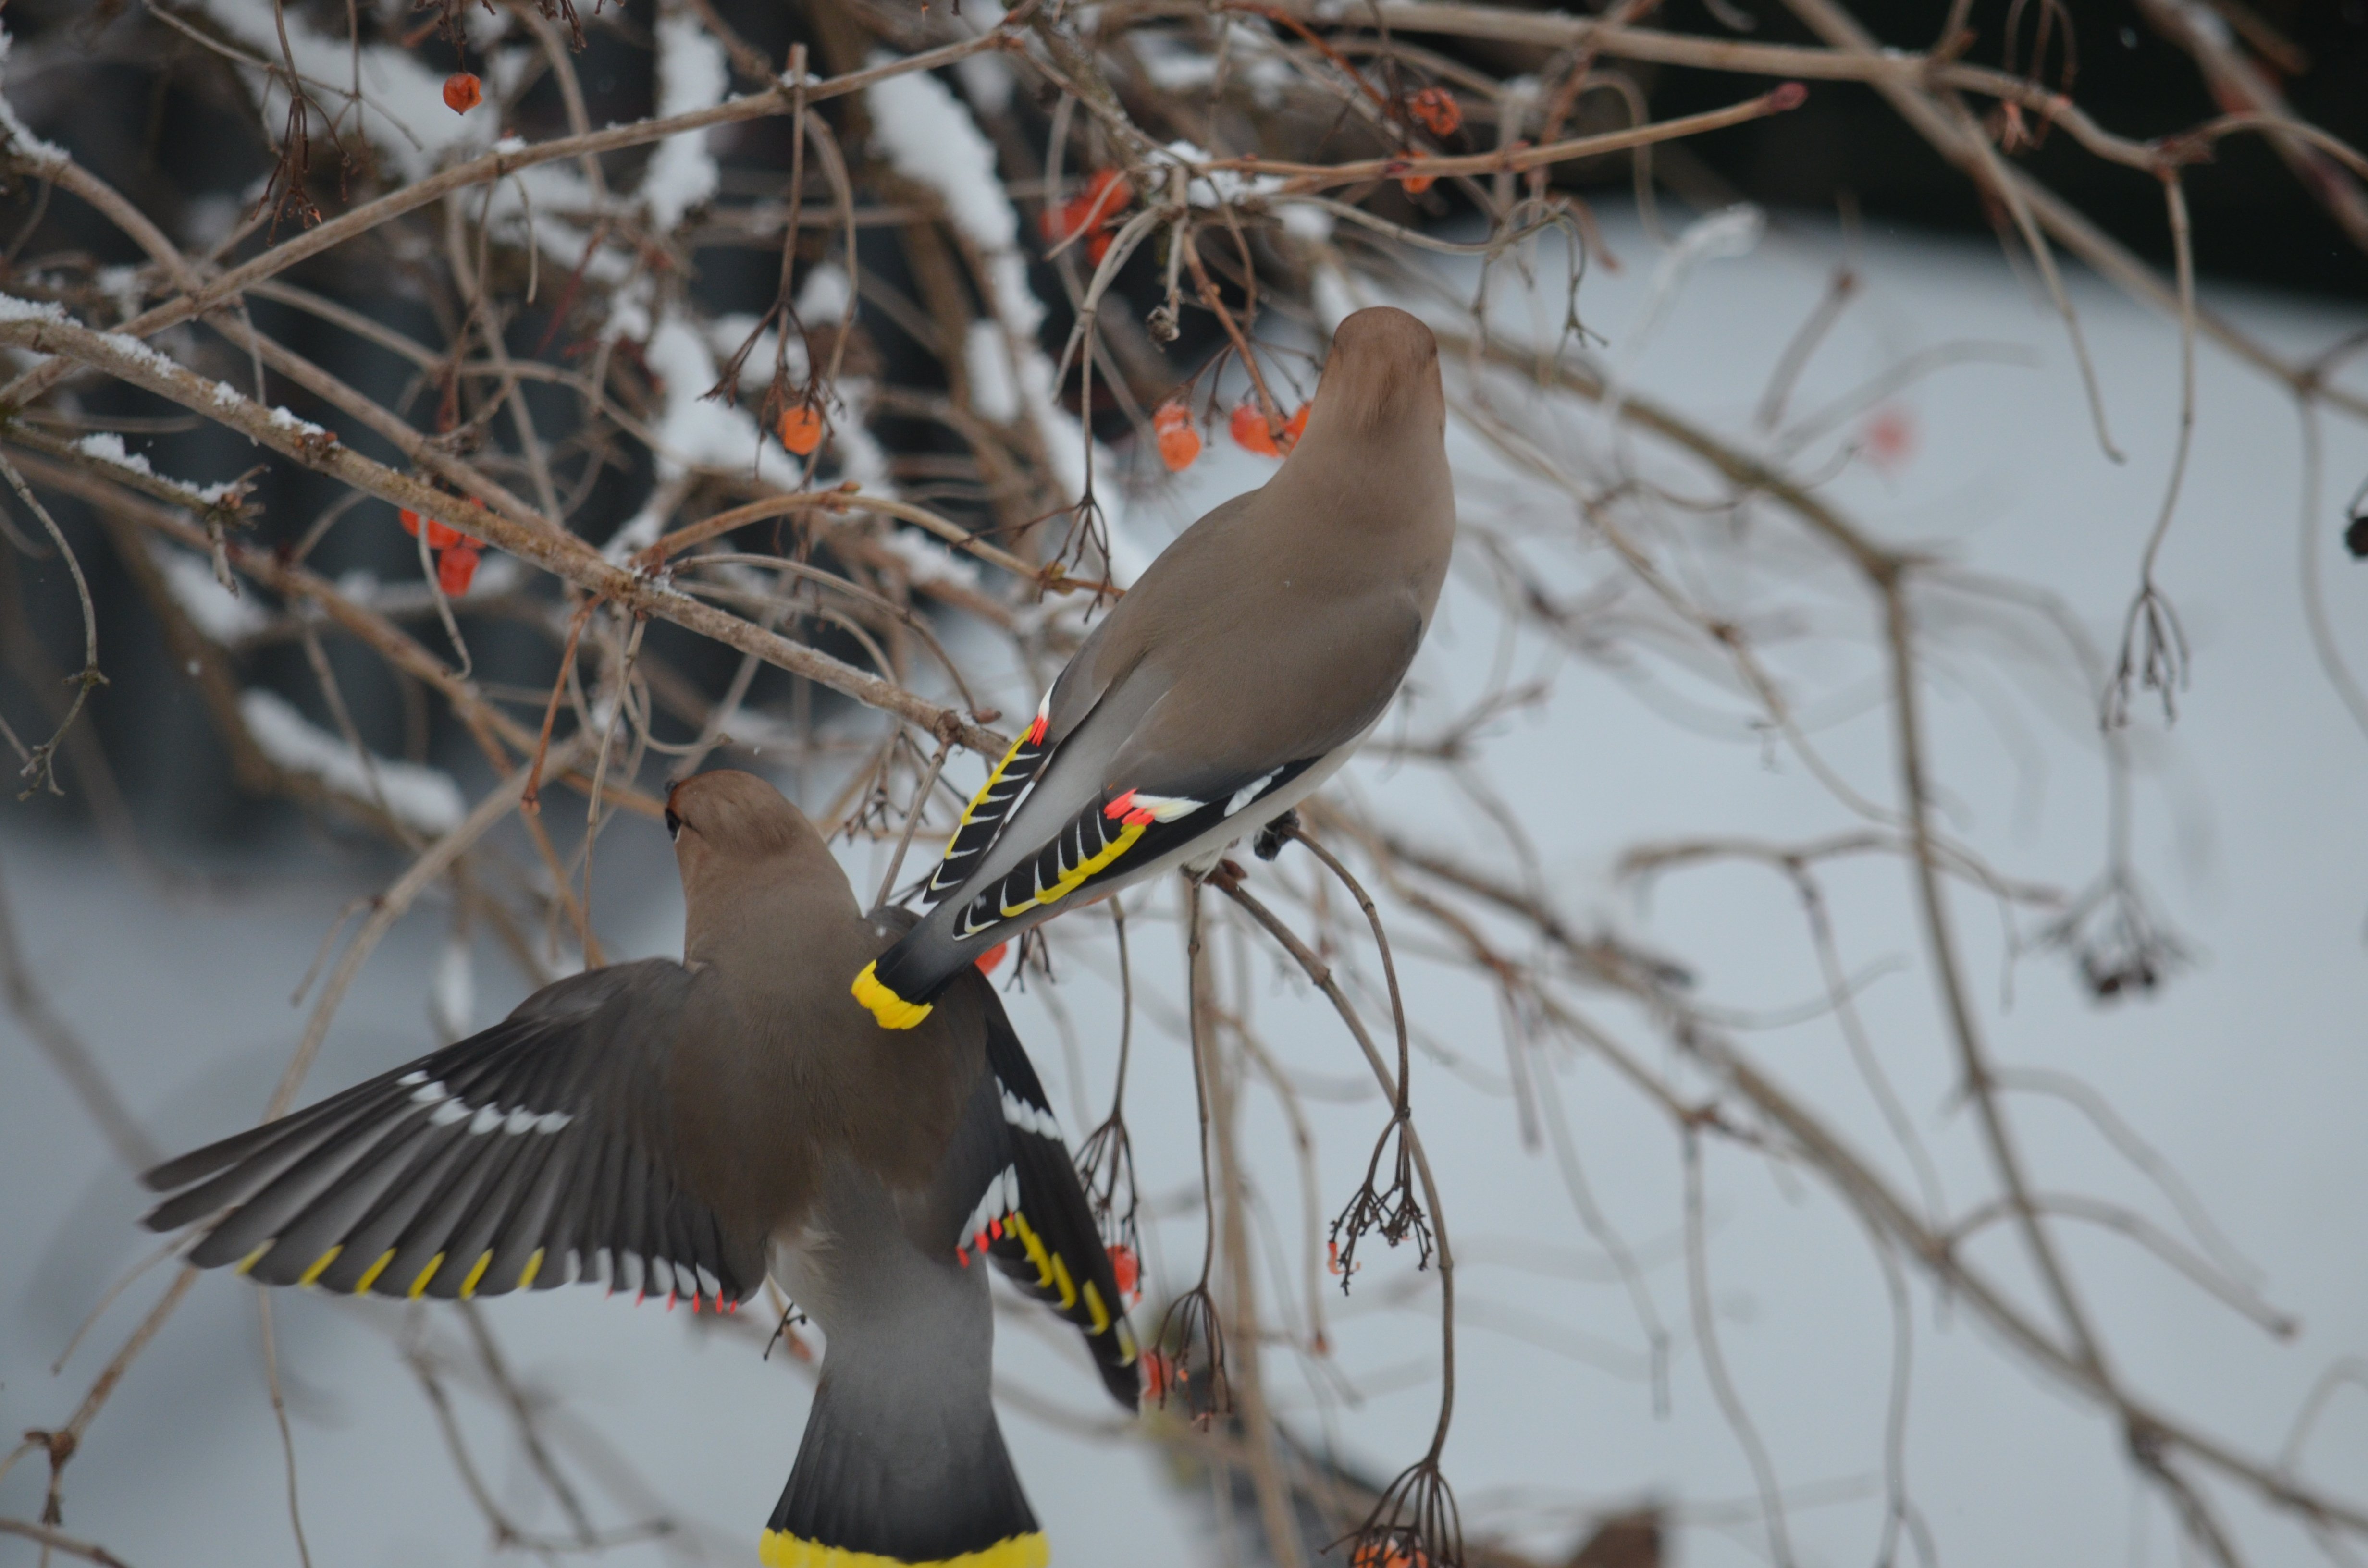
column 1275, row 834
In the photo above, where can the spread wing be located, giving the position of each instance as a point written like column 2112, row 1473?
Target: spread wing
column 526, row 1156
column 1012, row 1194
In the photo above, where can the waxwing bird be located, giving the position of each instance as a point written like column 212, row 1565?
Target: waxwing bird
column 1234, row 679
column 678, row 1130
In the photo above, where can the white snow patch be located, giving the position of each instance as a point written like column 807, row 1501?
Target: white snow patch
column 224, row 616
column 692, row 76
column 694, row 431
column 29, row 147
column 131, row 348
column 929, row 561
column 822, row 296
column 987, row 79
column 1304, row 221
column 928, row 136
column 14, row 309
column 860, row 456
column 726, row 333
column 122, row 288
column 108, row 447
column 423, row 798
column 1216, row 187
column 992, row 391
column 401, row 109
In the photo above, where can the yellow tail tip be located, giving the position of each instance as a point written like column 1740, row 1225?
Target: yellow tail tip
column 780, row 1549
column 893, row 1011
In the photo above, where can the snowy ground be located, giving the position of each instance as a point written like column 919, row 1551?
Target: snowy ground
column 2246, row 1073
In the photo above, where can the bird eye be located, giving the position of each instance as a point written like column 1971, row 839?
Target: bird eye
column 674, row 824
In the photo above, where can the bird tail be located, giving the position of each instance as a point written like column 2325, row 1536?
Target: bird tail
column 883, row 1483
column 901, row 983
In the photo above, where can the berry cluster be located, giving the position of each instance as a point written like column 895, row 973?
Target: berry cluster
column 1093, row 212
column 455, row 552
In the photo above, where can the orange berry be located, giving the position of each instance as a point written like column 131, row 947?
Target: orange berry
column 439, row 537
column 457, row 570
column 410, row 522
column 464, row 92
column 1180, row 447
column 800, row 429
column 1128, row 1271
column 988, row 959
column 1415, row 185
column 1438, row 110
column 1170, row 415
column 1106, row 195
column 1296, row 428
column 1249, row 431
column 1156, row 1373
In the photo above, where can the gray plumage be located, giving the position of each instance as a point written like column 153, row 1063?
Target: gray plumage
column 1235, row 677
column 680, row 1129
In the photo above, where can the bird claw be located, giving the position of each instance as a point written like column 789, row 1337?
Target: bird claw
column 1275, row 834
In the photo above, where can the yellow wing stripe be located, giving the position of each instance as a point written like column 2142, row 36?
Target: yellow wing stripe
column 1076, row 875
column 419, row 1286
column 320, row 1266
column 988, row 788
column 780, row 1549
column 534, row 1267
column 893, row 1011
column 369, row 1276
column 469, row 1286
column 1061, row 1278
column 1017, row 1221
column 251, row 1259
column 1094, row 1305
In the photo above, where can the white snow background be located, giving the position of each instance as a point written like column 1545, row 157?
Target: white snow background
column 2247, row 1071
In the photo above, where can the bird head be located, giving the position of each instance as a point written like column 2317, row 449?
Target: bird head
column 737, row 838
column 1381, row 380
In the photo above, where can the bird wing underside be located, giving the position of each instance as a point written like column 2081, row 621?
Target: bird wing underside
column 1117, row 831
column 1020, row 1203
column 514, row 1159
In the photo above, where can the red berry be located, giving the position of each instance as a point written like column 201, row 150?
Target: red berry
column 1437, row 109
column 1128, row 1272
column 1179, row 448
column 989, row 960
column 464, row 92
column 411, row 522
column 457, row 570
column 1295, row 429
column 1249, row 431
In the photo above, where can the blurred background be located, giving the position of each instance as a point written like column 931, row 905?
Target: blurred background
column 1868, row 843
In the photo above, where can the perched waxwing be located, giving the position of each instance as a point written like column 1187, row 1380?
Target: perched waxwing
column 678, row 1130
column 1234, row 677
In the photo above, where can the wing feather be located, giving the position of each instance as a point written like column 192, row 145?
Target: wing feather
column 518, row 1157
